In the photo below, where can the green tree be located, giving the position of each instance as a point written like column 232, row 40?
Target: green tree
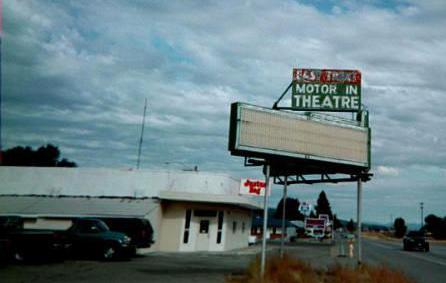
column 400, row 227
column 351, row 226
column 436, row 225
column 336, row 223
column 291, row 209
column 323, row 205
column 44, row 156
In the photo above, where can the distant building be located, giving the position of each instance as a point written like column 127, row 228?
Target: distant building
column 274, row 230
column 189, row 210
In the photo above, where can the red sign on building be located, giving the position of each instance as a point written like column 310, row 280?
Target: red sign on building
column 252, row 187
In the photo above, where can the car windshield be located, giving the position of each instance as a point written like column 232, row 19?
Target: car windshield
column 102, row 226
column 415, row 234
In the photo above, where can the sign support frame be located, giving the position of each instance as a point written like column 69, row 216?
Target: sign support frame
column 284, row 199
column 359, row 221
column 265, row 218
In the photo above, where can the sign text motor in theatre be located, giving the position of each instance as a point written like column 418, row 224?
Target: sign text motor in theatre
column 326, row 90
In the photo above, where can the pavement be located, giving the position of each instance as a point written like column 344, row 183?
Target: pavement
column 423, row 267
column 214, row 267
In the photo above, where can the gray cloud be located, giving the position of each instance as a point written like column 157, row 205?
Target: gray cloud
column 76, row 74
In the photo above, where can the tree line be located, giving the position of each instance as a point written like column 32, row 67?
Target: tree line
column 292, row 210
column 44, row 156
column 433, row 224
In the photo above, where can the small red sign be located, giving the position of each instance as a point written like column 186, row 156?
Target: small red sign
column 252, row 187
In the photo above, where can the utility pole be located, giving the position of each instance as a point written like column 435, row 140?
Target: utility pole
column 391, row 221
column 142, row 135
column 421, row 211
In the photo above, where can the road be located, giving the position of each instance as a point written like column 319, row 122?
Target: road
column 213, row 267
column 423, row 267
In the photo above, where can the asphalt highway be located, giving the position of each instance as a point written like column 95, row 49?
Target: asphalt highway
column 424, row 267
column 214, row 267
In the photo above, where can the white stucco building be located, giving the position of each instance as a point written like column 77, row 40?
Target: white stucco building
column 189, row 211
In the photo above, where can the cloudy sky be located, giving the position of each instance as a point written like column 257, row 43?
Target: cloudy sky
column 76, row 73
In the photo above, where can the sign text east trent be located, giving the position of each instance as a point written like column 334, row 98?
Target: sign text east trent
column 326, row 90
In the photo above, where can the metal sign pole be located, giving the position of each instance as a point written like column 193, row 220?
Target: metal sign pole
column 265, row 219
column 358, row 219
column 282, row 238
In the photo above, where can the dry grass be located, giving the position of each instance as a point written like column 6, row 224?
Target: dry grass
column 291, row 270
column 364, row 274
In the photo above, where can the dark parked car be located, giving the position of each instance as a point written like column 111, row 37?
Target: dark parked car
column 20, row 244
column 86, row 237
column 415, row 240
column 92, row 237
column 5, row 251
column 138, row 229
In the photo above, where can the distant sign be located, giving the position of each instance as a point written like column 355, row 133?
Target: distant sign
column 305, row 208
column 326, row 90
column 314, row 223
column 324, row 216
column 252, row 187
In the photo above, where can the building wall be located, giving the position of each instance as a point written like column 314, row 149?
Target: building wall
column 174, row 220
column 238, row 237
column 96, row 182
column 170, row 227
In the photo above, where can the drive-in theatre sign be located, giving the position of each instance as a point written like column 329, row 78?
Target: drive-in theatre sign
column 260, row 132
column 297, row 144
column 326, row 90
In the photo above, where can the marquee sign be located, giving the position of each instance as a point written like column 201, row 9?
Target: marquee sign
column 326, row 90
column 266, row 133
column 252, row 187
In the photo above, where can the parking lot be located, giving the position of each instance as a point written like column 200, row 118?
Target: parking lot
column 160, row 267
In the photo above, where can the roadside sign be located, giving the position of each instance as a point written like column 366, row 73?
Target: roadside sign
column 271, row 134
column 314, row 223
column 324, row 216
column 252, row 187
column 305, row 208
column 326, row 90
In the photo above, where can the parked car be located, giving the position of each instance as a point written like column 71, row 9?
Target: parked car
column 20, row 244
column 86, row 237
column 415, row 240
column 138, row 229
column 5, row 251
column 92, row 237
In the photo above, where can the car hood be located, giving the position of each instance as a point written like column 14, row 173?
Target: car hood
column 114, row 235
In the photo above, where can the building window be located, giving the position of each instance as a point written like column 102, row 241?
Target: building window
column 205, row 213
column 204, row 226
column 234, row 227
column 243, row 227
column 220, row 226
column 187, row 226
